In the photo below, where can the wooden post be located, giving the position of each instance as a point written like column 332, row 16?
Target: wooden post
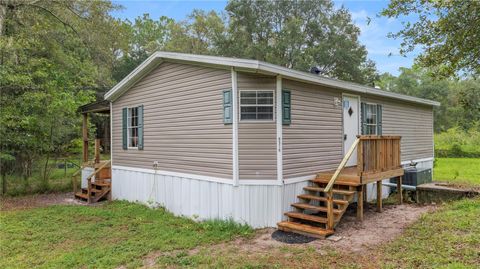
column 360, row 159
column 74, row 183
column 97, row 150
column 399, row 189
column 379, row 196
column 85, row 137
column 360, row 203
column 330, row 217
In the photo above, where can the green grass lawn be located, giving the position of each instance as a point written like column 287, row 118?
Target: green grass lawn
column 447, row 238
column 121, row 233
column 457, row 170
column 104, row 236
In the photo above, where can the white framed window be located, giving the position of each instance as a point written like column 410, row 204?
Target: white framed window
column 257, row 105
column 132, row 127
column 371, row 119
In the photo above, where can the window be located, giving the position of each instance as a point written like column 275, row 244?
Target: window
column 132, row 127
column 371, row 119
column 256, row 105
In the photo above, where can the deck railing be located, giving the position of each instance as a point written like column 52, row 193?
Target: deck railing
column 375, row 154
column 95, row 174
column 378, row 154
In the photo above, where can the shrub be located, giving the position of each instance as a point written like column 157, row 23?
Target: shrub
column 458, row 143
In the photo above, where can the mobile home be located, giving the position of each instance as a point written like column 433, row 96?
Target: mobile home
column 214, row 137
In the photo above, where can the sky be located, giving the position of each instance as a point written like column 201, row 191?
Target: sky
column 381, row 49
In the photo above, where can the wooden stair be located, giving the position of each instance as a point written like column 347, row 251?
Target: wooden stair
column 311, row 215
column 98, row 191
column 99, row 184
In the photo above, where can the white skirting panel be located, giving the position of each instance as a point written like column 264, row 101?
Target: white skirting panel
column 257, row 205
column 86, row 171
column 290, row 193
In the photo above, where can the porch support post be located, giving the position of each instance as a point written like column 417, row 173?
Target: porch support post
column 360, row 202
column 399, row 189
column 85, row 137
column 97, row 150
column 379, row 196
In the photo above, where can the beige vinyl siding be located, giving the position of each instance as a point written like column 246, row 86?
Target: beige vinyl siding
column 257, row 148
column 183, row 121
column 413, row 122
column 313, row 141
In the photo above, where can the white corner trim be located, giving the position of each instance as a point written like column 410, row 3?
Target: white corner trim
column 235, row 128
column 298, row 179
column 418, row 160
column 111, row 133
column 174, row 174
column 279, row 130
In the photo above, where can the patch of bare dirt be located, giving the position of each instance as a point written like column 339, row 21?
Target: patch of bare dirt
column 377, row 228
column 359, row 238
column 38, row 200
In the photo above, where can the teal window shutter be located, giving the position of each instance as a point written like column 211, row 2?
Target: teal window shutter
column 286, row 107
column 124, row 127
column 379, row 119
column 363, row 117
column 140, row 127
column 227, row 107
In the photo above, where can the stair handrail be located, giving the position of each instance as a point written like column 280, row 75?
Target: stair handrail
column 89, row 178
column 328, row 189
column 74, row 176
column 345, row 159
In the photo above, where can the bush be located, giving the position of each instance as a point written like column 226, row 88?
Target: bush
column 458, row 143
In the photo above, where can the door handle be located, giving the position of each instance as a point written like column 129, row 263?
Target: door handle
column 344, row 136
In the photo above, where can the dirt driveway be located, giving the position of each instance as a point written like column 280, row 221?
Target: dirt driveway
column 37, row 200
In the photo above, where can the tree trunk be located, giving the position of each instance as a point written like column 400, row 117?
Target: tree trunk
column 4, row 184
column 3, row 16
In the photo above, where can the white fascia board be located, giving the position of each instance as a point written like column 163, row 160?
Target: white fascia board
column 253, row 66
column 139, row 72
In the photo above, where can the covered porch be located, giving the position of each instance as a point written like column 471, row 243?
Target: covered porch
column 95, row 174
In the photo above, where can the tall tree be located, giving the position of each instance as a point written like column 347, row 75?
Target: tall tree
column 202, row 33
column 298, row 34
column 51, row 54
column 460, row 100
column 143, row 37
column 449, row 32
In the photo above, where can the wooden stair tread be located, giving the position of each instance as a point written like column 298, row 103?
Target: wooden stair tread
column 315, row 208
column 81, row 195
column 344, row 192
column 85, row 191
column 339, row 181
column 298, row 215
column 101, row 184
column 305, row 229
column 320, row 198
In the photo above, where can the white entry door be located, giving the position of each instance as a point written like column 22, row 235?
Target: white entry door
column 351, row 118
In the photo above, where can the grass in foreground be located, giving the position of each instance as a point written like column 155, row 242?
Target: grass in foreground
column 448, row 238
column 457, row 170
column 106, row 236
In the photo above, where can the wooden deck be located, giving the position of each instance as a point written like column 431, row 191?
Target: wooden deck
column 330, row 193
column 349, row 176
